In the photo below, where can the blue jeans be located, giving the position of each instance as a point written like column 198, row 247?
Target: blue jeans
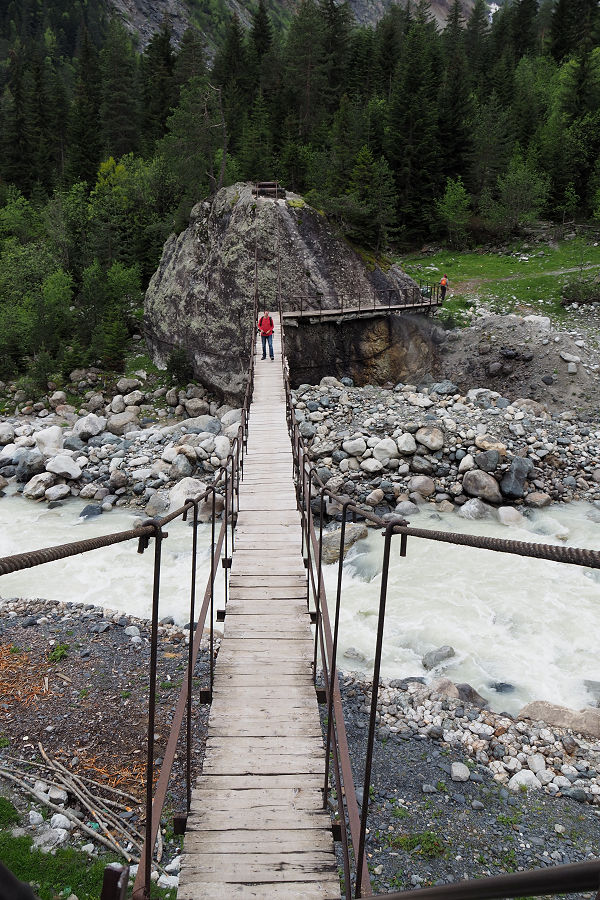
column 264, row 338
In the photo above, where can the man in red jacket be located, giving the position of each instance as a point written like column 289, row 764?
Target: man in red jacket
column 265, row 326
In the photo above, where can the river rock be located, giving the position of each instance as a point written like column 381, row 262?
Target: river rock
column 524, row 778
column 36, row 487
column 386, row 449
column 406, row 444
column 196, row 406
column 222, row 447
column 422, row 484
column 585, row 721
column 89, row 426
column 355, row 446
column 58, row 398
column 487, row 460
column 49, row 440
column 90, row 511
column 474, row 509
column 57, row 492
column 331, row 541
column 183, row 490
column 372, row 466
column 30, row 463
column 421, row 464
column 466, row 464
column 123, row 423
column 513, row 482
column 64, row 466
column 459, row 772
column 7, row 433
column 181, row 467
column 375, row 497
column 482, row 485
column 485, row 442
column 126, row 385
column 157, row 506
column 210, row 424
column 134, row 398
column 431, row 437
column 538, row 499
column 508, row 515
column 435, row 657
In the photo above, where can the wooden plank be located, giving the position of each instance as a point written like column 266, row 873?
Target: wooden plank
column 321, row 890
column 266, row 817
column 247, row 841
column 219, row 799
column 253, row 780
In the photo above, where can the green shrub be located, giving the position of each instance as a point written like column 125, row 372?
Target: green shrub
column 179, row 366
column 59, row 652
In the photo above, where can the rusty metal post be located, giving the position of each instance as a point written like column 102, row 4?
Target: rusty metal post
column 114, row 882
column 188, row 736
column 158, row 537
column 319, row 583
column 389, row 530
column 212, row 590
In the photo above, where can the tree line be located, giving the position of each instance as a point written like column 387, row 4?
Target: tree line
column 401, row 132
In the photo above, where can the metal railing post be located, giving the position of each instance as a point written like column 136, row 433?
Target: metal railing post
column 374, row 693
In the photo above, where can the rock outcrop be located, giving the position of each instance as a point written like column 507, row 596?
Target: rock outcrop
column 201, row 299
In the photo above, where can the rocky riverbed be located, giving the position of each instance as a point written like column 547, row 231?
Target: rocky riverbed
column 121, row 444
column 477, row 450
column 458, row 791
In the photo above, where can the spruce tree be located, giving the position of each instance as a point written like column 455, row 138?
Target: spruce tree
column 18, row 135
column 83, row 132
column 455, row 96
column 413, row 147
column 390, row 35
column 525, row 27
column 476, row 42
column 190, row 62
column 158, row 86
column 119, row 109
column 230, row 74
column 261, row 31
column 306, row 69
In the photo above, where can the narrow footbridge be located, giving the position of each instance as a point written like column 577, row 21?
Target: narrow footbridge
column 257, row 827
column 276, row 792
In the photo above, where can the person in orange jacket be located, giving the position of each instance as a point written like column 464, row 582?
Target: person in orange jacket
column 443, row 286
column 266, row 328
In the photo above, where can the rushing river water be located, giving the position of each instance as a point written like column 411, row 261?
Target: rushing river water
column 527, row 624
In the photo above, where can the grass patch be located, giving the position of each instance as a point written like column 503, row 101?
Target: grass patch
column 425, row 843
column 141, row 361
column 515, row 281
column 66, row 872
column 296, row 204
column 59, row 652
column 8, row 813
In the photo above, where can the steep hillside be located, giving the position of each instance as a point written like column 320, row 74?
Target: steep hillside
column 209, row 16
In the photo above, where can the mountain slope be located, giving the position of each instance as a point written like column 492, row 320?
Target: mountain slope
column 145, row 16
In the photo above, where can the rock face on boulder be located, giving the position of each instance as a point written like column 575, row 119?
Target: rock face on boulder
column 201, row 298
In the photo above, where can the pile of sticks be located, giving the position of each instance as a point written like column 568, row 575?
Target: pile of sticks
column 102, row 804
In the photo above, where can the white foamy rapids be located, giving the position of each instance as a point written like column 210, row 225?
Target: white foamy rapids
column 117, row 577
column 515, row 620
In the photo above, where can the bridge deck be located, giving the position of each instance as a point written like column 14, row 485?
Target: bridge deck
column 360, row 312
column 257, row 828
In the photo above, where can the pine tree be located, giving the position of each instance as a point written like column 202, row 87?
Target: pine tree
column 261, row 31
column 346, row 138
column 337, row 19
column 190, row 62
column 230, row 74
column 525, row 27
column 476, row 42
column 575, row 25
column 17, row 162
column 158, row 85
column 306, row 68
column 455, row 96
column 492, row 145
column 255, row 156
column 390, row 36
column 119, row 110
column 83, row 132
column 413, row 148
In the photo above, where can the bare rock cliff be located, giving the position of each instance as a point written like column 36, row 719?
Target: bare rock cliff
column 201, row 298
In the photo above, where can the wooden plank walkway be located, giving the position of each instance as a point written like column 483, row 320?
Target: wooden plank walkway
column 257, row 828
column 364, row 312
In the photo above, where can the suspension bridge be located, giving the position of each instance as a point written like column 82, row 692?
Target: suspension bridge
column 257, row 824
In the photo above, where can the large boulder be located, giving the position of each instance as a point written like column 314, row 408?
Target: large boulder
column 183, row 490
column 430, row 437
column 201, row 299
column 64, row 466
column 584, row 721
column 37, row 486
column 7, row 433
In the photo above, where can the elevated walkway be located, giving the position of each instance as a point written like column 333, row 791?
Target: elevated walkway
column 257, row 828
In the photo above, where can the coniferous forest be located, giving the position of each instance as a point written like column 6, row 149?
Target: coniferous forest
column 402, row 132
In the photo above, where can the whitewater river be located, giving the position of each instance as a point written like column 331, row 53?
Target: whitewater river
column 530, row 625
